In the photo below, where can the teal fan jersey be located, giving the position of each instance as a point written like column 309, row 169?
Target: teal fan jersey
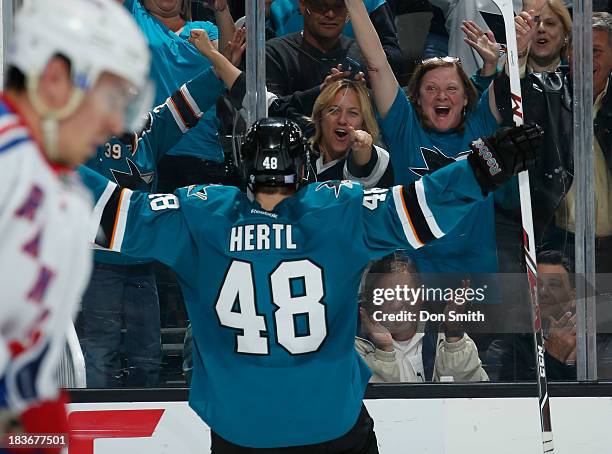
column 272, row 295
column 134, row 165
column 175, row 61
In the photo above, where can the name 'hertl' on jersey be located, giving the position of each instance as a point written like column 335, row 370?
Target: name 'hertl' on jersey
column 272, row 295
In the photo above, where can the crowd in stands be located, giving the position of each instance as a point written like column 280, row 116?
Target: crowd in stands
column 375, row 116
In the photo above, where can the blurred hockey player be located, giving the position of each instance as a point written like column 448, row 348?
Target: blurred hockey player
column 74, row 67
column 271, row 284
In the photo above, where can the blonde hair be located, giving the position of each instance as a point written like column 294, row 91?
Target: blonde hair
column 561, row 11
column 326, row 99
column 559, row 8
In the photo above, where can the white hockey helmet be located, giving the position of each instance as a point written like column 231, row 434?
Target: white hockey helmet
column 94, row 35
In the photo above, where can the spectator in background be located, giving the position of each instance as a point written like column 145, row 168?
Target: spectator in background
column 515, row 354
column 602, row 114
column 342, row 118
column 545, row 50
column 427, row 131
column 122, row 290
column 198, row 157
column 404, row 351
column 508, row 228
column 286, row 17
column 297, row 63
column 547, row 98
column 487, row 16
column 345, row 132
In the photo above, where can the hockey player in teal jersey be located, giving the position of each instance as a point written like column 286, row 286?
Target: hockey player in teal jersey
column 271, row 284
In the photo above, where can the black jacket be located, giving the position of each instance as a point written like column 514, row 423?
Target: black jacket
column 547, row 100
column 514, row 355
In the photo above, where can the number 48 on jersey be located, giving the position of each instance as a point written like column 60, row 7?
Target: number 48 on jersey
column 238, row 285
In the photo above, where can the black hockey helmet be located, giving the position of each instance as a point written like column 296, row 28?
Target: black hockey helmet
column 274, row 153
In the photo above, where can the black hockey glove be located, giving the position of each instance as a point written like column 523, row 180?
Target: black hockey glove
column 497, row 158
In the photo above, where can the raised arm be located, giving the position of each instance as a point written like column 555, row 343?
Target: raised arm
column 383, row 20
column 181, row 112
column 525, row 32
column 140, row 224
column 184, row 108
column 224, row 69
column 408, row 217
column 484, row 43
column 382, row 80
column 224, row 21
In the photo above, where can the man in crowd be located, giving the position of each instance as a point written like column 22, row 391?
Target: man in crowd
column 297, row 64
column 286, row 18
column 514, row 355
column 602, row 148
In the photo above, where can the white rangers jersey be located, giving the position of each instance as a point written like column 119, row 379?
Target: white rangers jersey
column 45, row 262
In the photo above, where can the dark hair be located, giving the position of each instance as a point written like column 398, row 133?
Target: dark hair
column 397, row 262
column 552, row 257
column 14, row 80
column 434, row 63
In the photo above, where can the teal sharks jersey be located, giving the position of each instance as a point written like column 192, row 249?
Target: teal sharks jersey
column 131, row 160
column 272, row 295
column 175, row 61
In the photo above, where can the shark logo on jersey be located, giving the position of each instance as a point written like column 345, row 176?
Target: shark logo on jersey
column 336, row 186
column 198, row 191
column 134, row 179
column 435, row 159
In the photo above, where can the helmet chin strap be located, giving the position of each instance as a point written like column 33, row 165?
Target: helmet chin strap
column 52, row 117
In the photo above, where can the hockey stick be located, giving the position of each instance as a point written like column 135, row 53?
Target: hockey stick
column 528, row 235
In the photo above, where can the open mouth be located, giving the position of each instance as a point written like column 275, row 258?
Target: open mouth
column 542, row 42
column 442, row 111
column 340, row 133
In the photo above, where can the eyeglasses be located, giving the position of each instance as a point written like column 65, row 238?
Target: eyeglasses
column 444, row 59
column 322, row 7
